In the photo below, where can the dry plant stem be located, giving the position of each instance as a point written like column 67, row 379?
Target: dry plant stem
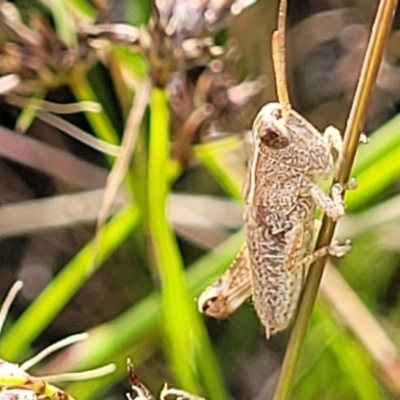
column 69, row 108
column 121, row 165
column 369, row 72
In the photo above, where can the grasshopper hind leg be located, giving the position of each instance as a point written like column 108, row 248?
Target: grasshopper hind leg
column 225, row 295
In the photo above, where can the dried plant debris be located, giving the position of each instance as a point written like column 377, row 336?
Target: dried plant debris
column 17, row 384
column 140, row 391
column 194, row 69
column 34, row 52
column 214, row 103
column 177, row 45
column 203, row 90
column 205, row 95
column 172, row 44
column 183, row 19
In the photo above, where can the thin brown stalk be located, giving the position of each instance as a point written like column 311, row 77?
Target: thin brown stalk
column 355, row 123
column 121, row 165
column 49, row 106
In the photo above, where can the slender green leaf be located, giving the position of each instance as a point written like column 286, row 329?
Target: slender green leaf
column 100, row 122
column 377, row 165
column 187, row 343
column 215, row 157
column 64, row 22
column 66, row 283
column 143, row 319
column 28, row 114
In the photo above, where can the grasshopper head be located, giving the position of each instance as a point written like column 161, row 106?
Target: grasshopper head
column 270, row 128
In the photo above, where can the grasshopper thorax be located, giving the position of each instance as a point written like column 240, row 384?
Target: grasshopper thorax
column 290, row 141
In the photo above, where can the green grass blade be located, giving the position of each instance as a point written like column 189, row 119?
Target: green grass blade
column 28, row 114
column 215, row 157
column 100, row 122
column 350, row 358
column 142, row 320
column 177, row 319
column 65, row 284
column 187, row 343
column 83, row 7
column 377, row 165
column 381, row 142
column 332, row 352
column 63, row 22
column 374, row 179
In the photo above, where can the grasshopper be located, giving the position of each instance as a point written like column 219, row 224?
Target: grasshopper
column 17, row 384
column 281, row 197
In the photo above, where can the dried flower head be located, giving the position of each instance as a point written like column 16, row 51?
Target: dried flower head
column 183, row 19
column 140, row 391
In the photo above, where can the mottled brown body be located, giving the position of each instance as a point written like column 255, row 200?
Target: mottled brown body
column 281, row 197
column 288, row 156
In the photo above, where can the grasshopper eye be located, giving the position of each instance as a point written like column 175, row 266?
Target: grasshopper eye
column 273, row 138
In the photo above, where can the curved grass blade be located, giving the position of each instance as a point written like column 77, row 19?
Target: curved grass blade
column 63, row 22
column 64, row 286
column 123, row 335
column 377, row 164
column 187, row 343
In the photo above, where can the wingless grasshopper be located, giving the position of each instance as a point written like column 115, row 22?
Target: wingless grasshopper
column 281, row 197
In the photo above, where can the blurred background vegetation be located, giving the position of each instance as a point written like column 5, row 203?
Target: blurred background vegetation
column 171, row 89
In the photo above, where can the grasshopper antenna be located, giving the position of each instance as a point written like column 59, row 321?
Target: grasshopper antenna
column 278, row 57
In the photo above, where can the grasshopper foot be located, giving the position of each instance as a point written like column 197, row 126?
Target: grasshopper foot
column 339, row 250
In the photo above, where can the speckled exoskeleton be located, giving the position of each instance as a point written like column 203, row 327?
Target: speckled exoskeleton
column 281, row 197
